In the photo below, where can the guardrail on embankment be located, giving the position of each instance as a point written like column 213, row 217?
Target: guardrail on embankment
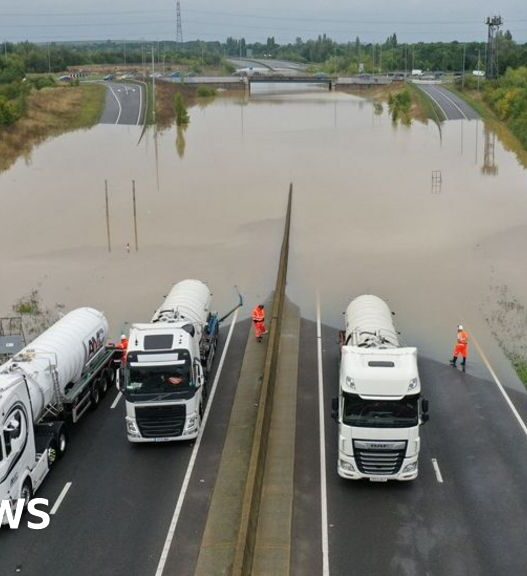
column 253, row 490
column 230, row 535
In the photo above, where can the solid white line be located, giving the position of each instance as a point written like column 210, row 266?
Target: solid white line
column 322, row 427
column 140, row 104
column 118, row 103
column 437, row 103
column 452, row 101
column 116, row 401
column 498, row 384
column 437, row 471
column 61, row 497
column 192, row 461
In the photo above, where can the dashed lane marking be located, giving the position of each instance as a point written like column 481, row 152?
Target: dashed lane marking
column 61, row 497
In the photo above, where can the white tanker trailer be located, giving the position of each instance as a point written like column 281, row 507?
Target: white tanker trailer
column 379, row 408
column 167, row 366
column 59, row 375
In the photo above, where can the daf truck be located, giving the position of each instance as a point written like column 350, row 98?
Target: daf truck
column 58, row 376
column 167, row 365
column 379, row 407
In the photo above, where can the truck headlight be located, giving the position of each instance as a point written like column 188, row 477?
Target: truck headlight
column 413, row 384
column 350, row 382
column 410, row 468
column 191, row 421
column 345, row 465
column 131, row 427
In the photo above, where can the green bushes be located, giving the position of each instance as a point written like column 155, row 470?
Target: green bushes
column 206, row 92
column 182, row 117
column 400, row 106
column 507, row 98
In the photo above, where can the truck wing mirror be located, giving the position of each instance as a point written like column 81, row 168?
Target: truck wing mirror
column 424, row 405
column 334, row 408
column 425, row 417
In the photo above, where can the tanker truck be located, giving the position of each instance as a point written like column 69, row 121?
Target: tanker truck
column 379, row 407
column 167, row 365
column 58, row 376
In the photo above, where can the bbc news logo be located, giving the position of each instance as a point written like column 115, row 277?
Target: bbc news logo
column 11, row 513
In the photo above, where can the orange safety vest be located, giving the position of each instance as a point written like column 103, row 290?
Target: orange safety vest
column 462, row 338
column 258, row 314
column 123, row 344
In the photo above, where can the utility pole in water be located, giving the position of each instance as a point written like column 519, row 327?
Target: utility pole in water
column 153, row 88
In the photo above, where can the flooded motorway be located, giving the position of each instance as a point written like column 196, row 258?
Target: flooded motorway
column 433, row 221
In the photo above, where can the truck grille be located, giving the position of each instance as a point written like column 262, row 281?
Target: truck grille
column 160, row 421
column 379, row 458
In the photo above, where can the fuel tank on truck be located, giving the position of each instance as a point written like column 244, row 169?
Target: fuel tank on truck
column 187, row 300
column 369, row 323
column 70, row 345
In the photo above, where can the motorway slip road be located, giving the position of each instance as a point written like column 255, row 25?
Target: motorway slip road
column 125, row 104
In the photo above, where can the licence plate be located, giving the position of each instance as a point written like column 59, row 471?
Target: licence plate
column 378, row 479
column 163, row 439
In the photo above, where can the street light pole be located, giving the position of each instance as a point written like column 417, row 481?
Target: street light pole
column 463, row 73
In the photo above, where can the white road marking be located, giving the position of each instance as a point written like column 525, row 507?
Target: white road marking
column 61, row 497
column 116, row 401
column 118, row 103
column 322, row 427
column 498, row 384
column 437, row 471
column 192, row 461
column 437, row 104
column 453, row 102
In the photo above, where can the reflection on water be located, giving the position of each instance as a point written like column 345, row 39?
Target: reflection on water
column 212, row 206
column 180, row 140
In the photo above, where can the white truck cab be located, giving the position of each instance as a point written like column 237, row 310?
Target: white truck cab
column 379, row 408
column 163, row 383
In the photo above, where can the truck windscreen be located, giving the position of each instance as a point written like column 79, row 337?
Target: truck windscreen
column 380, row 413
column 165, row 381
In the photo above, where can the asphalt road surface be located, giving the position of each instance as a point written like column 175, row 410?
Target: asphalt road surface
column 471, row 523
column 115, row 518
column 465, row 516
column 452, row 106
column 125, row 104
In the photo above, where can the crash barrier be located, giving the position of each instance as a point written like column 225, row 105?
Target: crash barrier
column 245, row 545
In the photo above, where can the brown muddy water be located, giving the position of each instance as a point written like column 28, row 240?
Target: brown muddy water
column 368, row 216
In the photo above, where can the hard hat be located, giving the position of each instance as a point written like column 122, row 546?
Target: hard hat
column 459, row 327
column 123, row 336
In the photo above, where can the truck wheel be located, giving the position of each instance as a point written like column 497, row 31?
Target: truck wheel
column 61, row 443
column 95, row 396
column 104, row 384
column 27, row 492
column 52, row 453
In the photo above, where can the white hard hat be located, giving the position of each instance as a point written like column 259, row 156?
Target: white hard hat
column 459, row 327
column 123, row 336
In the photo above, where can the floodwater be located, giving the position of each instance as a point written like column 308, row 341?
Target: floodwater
column 434, row 222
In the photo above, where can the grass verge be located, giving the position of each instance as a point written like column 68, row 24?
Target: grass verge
column 421, row 108
column 51, row 112
column 428, row 107
column 475, row 99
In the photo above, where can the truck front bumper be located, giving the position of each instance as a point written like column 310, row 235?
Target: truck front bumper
column 347, row 468
column 133, row 433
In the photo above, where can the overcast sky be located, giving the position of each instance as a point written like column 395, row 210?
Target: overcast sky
column 342, row 20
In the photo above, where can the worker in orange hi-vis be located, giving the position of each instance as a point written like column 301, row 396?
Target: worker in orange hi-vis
column 461, row 348
column 258, row 316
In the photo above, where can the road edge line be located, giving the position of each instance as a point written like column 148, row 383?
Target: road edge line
column 192, row 461
column 499, row 384
column 322, row 430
